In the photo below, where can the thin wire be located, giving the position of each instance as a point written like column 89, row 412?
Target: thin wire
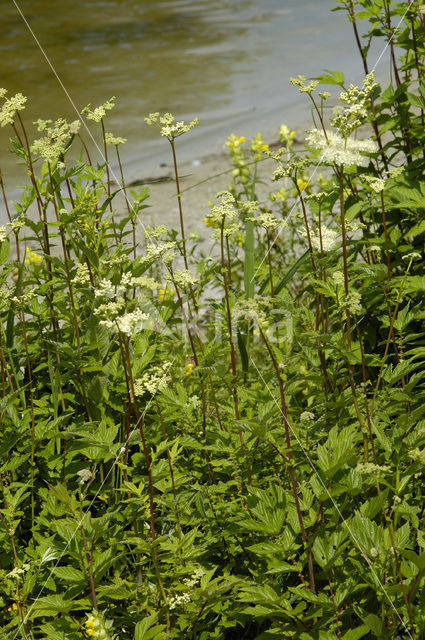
column 276, row 237
column 312, row 465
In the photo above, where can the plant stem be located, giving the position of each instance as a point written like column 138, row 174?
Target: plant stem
column 290, row 459
column 179, row 200
column 344, row 250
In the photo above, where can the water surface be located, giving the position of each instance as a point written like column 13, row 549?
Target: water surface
column 226, row 61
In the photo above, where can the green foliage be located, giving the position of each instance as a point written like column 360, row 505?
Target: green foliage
column 234, row 449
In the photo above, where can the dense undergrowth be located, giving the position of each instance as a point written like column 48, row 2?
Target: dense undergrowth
column 230, row 445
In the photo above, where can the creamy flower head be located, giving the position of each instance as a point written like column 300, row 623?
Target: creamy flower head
column 339, row 150
column 300, row 81
column 84, row 475
column 168, row 126
column 353, row 115
column 376, row 184
column 129, row 323
column 54, row 143
column 115, row 140
column 153, row 381
column 155, row 232
column 225, row 210
column 267, row 220
column 42, row 124
column 182, row 278
column 328, row 237
column 417, row 455
column 163, row 250
column 10, row 108
column 353, row 303
column 307, row 416
column 99, row 112
column 83, row 275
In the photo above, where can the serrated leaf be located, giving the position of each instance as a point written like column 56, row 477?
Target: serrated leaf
column 69, row 574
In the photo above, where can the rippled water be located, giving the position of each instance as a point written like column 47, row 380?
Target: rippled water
column 227, row 62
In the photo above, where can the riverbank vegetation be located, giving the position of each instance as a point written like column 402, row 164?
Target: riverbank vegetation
column 227, row 443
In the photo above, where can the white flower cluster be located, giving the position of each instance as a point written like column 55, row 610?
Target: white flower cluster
column 249, row 309
column 25, row 298
column 17, row 222
column 185, row 598
column 164, row 250
column 129, row 324
column 339, row 150
column 329, row 238
column 114, row 140
column 53, row 144
column 194, row 579
column 108, row 290
column 194, row 402
column 356, row 98
column 376, row 184
column 417, row 455
column 177, row 601
column 3, row 234
column 170, row 128
column 154, row 381
column 10, row 107
column 83, row 275
column 225, row 210
column 85, row 475
column 266, row 220
column 353, row 303
column 395, row 172
column 299, row 81
column 338, row 277
column 183, row 279
column 17, row 572
column 111, row 309
column 147, row 282
column 156, row 232
column 307, row 416
column 99, row 112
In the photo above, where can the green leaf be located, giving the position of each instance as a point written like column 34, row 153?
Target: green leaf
column 145, row 629
column 54, row 604
column 355, row 634
column 374, row 624
column 243, row 352
column 4, row 250
column 331, row 77
column 69, row 574
column 292, row 271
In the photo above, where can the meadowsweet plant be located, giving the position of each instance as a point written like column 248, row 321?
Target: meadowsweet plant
column 229, row 445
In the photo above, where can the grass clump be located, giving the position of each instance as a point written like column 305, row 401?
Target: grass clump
column 228, row 445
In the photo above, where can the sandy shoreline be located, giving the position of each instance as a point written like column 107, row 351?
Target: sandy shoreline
column 200, row 180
